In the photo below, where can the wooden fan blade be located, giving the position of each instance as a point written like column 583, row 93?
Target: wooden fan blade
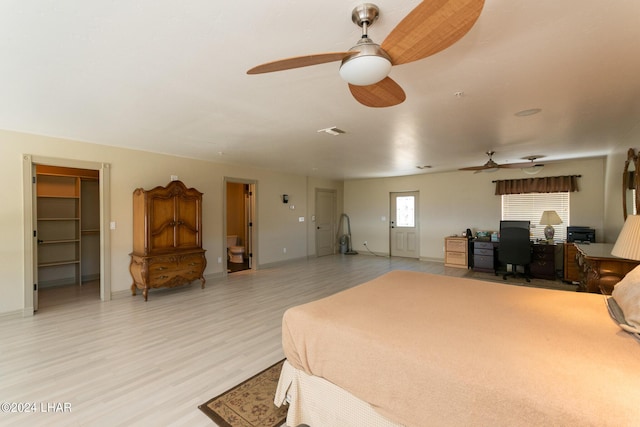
column 299, row 61
column 385, row 93
column 476, row 168
column 489, row 165
column 432, row 26
column 519, row 165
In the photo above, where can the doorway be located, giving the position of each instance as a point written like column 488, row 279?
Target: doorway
column 325, row 201
column 239, row 223
column 67, row 228
column 404, row 225
column 63, row 256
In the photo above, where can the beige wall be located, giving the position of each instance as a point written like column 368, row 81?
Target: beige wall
column 277, row 226
column 454, row 201
column 449, row 203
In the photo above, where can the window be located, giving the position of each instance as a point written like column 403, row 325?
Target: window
column 405, row 211
column 529, row 207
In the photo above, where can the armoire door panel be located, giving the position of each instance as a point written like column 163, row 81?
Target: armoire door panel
column 187, row 232
column 161, row 222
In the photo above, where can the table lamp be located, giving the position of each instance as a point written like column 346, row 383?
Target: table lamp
column 628, row 243
column 550, row 218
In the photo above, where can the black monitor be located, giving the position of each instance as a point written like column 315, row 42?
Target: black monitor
column 515, row 224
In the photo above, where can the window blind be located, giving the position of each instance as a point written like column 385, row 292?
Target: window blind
column 529, row 207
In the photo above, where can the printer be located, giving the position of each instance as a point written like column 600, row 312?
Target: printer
column 580, row 234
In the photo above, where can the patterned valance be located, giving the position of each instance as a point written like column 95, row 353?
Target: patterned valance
column 549, row 184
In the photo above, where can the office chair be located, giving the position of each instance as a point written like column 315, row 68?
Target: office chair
column 515, row 249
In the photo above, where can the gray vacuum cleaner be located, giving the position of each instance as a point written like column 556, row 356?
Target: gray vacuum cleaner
column 345, row 239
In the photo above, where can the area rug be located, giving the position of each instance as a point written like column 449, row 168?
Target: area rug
column 249, row 404
column 521, row 281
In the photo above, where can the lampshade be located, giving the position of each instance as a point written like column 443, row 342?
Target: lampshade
column 368, row 67
column 550, row 218
column 628, row 242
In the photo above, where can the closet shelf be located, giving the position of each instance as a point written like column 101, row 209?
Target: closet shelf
column 56, row 242
column 55, row 263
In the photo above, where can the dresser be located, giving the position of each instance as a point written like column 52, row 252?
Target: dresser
column 543, row 261
column 599, row 270
column 456, row 252
column 167, row 238
column 571, row 272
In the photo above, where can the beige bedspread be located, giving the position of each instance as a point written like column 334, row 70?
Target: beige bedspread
column 426, row 350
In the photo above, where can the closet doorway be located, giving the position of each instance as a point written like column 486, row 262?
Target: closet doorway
column 67, row 228
column 67, row 250
column 239, row 225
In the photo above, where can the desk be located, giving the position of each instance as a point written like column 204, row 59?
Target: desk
column 599, row 270
column 543, row 259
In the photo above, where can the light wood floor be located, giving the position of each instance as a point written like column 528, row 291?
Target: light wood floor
column 129, row 362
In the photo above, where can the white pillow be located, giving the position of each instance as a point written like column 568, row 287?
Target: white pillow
column 627, row 294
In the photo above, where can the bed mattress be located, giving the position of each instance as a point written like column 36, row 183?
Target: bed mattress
column 425, row 349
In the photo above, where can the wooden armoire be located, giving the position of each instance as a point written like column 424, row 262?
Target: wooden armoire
column 167, row 237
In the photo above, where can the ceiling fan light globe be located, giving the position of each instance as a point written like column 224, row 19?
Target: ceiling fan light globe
column 370, row 65
column 365, row 70
column 532, row 170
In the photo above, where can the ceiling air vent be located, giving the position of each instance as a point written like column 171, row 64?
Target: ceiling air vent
column 332, row 131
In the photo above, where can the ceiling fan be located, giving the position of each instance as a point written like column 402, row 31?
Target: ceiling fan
column 432, row 26
column 492, row 166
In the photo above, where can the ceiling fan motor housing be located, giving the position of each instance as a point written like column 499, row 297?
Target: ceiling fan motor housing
column 372, row 63
column 365, row 13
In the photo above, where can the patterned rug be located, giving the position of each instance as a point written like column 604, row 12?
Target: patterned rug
column 249, row 404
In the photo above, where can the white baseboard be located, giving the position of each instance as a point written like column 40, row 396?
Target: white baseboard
column 281, row 263
column 23, row 312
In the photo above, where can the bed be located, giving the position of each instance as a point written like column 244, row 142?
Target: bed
column 417, row 349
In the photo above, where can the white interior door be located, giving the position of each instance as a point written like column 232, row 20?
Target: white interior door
column 250, row 215
column 325, row 222
column 35, row 242
column 404, row 227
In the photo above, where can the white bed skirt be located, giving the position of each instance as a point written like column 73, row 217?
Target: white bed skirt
column 317, row 402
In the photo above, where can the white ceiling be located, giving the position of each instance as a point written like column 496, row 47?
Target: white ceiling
column 170, row 76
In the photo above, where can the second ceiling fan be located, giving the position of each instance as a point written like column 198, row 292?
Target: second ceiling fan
column 430, row 27
column 491, row 165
